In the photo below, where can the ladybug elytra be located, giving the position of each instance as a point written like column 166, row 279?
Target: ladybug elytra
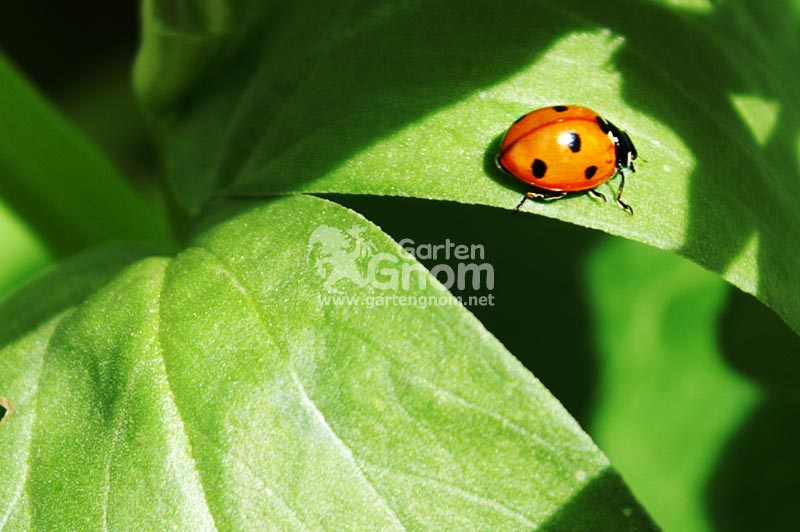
column 566, row 148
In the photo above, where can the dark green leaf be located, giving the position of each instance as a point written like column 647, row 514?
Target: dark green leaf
column 183, row 41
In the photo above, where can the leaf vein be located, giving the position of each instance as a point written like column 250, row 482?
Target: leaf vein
column 460, row 492
column 318, row 415
column 172, row 399
column 304, row 397
column 503, row 420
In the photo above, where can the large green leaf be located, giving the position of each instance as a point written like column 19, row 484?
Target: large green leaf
column 225, row 388
column 411, row 100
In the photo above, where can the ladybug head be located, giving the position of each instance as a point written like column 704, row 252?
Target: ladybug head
column 625, row 150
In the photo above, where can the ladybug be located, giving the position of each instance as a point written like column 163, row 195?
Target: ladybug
column 563, row 149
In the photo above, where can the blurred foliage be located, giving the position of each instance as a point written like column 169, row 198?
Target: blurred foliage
column 667, row 402
column 59, row 182
column 21, row 253
column 182, row 42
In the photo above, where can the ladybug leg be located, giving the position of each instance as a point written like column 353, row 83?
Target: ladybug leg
column 531, row 194
column 624, row 206
column 595, row 194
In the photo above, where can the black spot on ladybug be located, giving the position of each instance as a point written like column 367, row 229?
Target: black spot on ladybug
column 604, row 125
column 590, row 171
column 519, row 119
column 539, row 168
column 574, row 142
column 560, row 108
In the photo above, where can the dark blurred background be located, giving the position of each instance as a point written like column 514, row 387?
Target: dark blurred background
column 41, row 37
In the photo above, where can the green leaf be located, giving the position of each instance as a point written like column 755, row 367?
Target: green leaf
column 58, row 182
column 228, row 388
column 411, row 100
column 28, row 320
